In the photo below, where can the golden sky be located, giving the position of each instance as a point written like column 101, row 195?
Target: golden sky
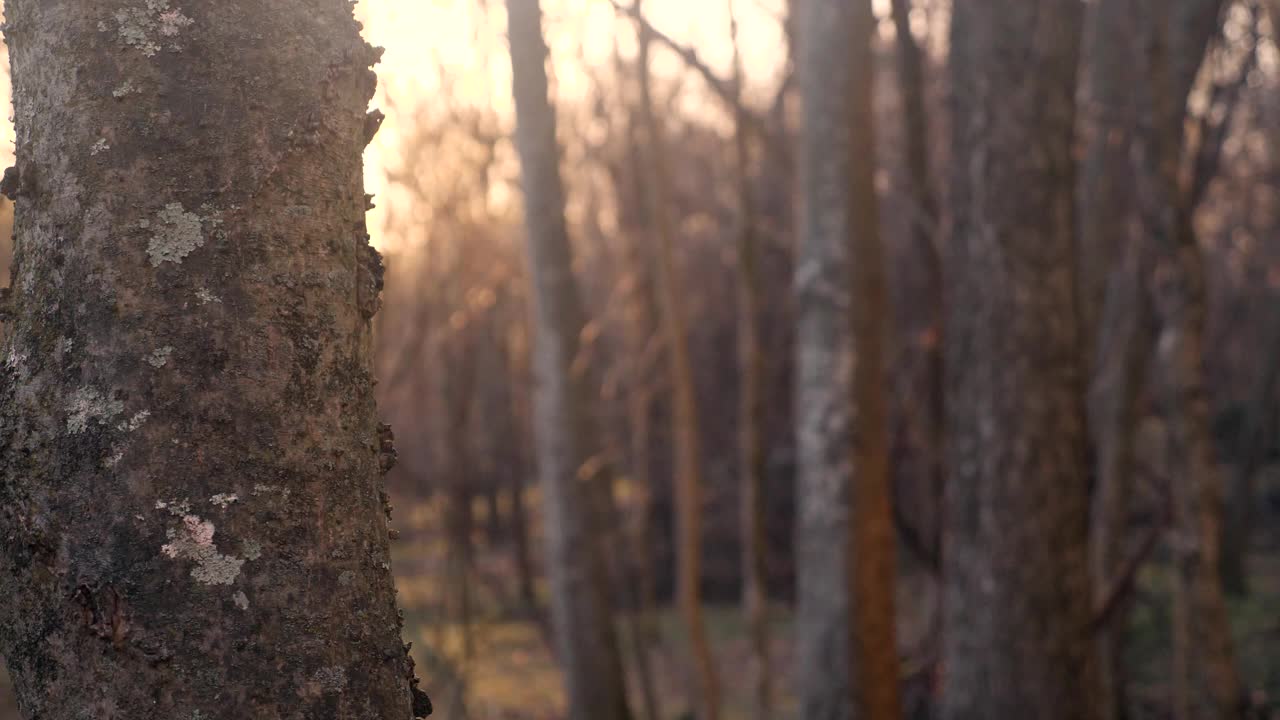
column 466, row 39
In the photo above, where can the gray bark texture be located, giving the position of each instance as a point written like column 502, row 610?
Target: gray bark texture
column 846, row 654
column 1017, row 589
column 192, row 518
column 568, row 463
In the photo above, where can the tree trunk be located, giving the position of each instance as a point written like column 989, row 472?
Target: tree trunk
column 191, row 506
column 643, row 344
column 755, row 595
column 1116, row 334
column 688, row 437
column 1126, row 343
column 1017, row 590
column 517, row 351
column 846, row 650
column 915, row 126
column 1204, row 682
column 872, row 553
column 567, row 446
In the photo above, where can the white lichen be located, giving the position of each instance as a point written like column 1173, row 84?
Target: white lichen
column 87, row 405
column 222, row 500
column 205, row 297
column 252, row 549
column 346, row 578
column 241, row 600
column 194, row 541
column 125, row 88
column 114, row 460
column 135, row 422
column 331, row 679
column 261, row 489
column 145, row 27
column 99, row 147
column 160, row 356
column 178, row 235
column 177, row 508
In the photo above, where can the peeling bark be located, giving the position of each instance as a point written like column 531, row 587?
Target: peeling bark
column 191, row 504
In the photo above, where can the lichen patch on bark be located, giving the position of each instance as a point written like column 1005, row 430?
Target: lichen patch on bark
column 88, row 405
column 193, row 540
column 146, row 26
column 160, row 356
column 177, row 235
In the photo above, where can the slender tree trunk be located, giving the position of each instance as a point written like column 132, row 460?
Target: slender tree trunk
column 872, row 546
column 521, row 381
column 1018, row 596
column 847, row 660
column 1125, row 348
column 755, row 597
column 688, row 439
column 911, row 84
column 1204, row 681
column 567, row 447
column 191, row 506
column 1117, row 334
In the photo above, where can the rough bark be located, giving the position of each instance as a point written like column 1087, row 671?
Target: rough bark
column 846, row 654
column 1204, row 679
column 687, row 434
column 567, row 447
column 1017, row 591
column 191, row 506
column 755, row 603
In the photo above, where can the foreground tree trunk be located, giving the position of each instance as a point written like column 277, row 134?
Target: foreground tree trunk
column 1017, row 590
column 687, row 433
column 567, row 446
column 191, row 506
column 847, row 663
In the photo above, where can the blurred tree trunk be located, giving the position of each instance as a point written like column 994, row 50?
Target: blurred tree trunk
column 847, row 663
column 688, row 439
column 1017, row 592
column 1125, row 346
column 872, row 543
column 567, row 446
column 517, row 351
column 915, row 130
column 755, row 594
column 644, row 345
column 1117, row 334
column 1204, row 681
column 190, row 455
